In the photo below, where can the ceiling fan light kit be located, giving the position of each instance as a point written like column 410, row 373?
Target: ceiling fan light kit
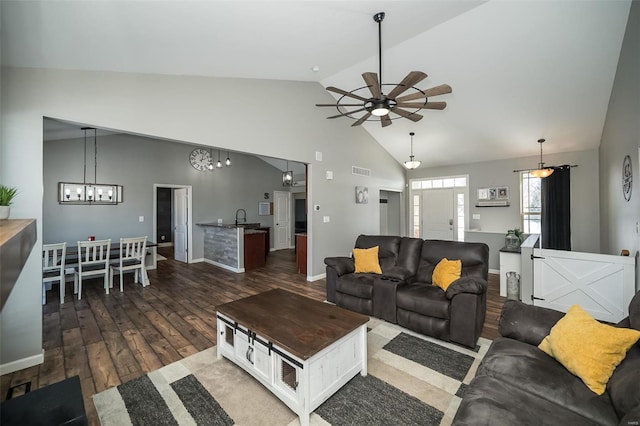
column 381, row 105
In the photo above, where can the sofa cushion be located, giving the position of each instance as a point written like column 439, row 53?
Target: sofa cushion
column 589, row 349
column 623, row 387
column 359, row 285
column 424, row 299
column 446, row 272
column 516, row 363
column 527, row 323
column 389, row 248
column 366, row 261
column 474, row 257
column 489, row 401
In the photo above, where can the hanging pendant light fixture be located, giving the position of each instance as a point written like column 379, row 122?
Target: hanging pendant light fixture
column 412, row 164
column 89, row 193
column 219, row 163
column 227, row 162
column 287, row 176
column 541, row 171
column 210, row 165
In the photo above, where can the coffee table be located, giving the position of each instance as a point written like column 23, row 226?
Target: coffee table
column 300, row 349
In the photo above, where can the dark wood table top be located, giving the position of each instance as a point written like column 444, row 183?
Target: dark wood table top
column 300, row 325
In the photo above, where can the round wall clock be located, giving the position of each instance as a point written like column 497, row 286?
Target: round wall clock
column 200, row 159
column 627, row 178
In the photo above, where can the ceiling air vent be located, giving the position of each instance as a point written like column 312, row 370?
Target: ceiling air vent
column 360, row 171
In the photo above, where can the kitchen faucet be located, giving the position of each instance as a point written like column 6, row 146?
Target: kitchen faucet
column 244, row 218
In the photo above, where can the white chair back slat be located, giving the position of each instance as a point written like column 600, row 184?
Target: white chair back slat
column 53, row 268
column 132, row 258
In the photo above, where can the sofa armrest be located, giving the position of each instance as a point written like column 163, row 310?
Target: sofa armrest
column 527, row 323
column 397, row 273
column 342, row 265
column 467, row 284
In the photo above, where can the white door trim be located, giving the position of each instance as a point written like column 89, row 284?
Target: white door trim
column 189, row 215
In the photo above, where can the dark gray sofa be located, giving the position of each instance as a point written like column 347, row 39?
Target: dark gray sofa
column 517, row 383
column 404, row 293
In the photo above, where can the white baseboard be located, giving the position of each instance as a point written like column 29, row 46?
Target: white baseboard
column 494, row 271
column 197, row 260
column 223, row 266
column 312, row 278
column 20, row 364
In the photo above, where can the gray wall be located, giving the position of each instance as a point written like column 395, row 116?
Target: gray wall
column 620, row 137
column 198, row 110
column 138, row 163
column 585, row 220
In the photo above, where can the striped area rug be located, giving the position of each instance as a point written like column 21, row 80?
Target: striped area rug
column 412, row 379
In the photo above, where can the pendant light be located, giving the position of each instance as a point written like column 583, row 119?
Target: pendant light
column 412, row 164
column 287, row 176
column 541, row 171
column 227, row 162
column 219, row 163
column 210, row 165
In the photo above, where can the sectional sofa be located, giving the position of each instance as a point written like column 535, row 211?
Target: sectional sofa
column 404, row 293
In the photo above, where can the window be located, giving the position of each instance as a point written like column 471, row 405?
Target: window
column 530, row 203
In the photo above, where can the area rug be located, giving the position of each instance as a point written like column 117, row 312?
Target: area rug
column 412, row 380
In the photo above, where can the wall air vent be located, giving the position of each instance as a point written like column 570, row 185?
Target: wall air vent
column 360, row 171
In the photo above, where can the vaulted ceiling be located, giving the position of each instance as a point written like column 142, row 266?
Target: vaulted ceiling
column 520, row 70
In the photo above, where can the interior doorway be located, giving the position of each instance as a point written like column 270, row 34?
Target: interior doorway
column 390, row 212
column 172, row 220
column 281, row 220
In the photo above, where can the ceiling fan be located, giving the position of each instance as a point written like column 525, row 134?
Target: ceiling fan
column 381, row 104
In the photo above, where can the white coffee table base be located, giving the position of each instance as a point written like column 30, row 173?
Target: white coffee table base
column 301, row 384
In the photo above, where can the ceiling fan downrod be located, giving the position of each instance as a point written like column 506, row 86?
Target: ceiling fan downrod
column 378, row 17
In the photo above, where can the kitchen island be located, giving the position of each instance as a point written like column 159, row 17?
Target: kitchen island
column 237, row 248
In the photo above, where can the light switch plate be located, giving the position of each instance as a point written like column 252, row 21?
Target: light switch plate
column 329, row 175
column 141, row 218
column 326, row 219
column 317, row 207
column 318, row 155
column 476, row 217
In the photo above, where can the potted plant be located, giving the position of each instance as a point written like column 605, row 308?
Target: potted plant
column 7, row 194
column 514, row 238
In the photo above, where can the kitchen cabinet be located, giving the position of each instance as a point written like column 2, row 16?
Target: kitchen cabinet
column 254, row 249
column 301, row 253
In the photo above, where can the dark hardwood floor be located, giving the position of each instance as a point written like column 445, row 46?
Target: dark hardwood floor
column 110, row 339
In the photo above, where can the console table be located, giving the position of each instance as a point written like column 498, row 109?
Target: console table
column 300, row 349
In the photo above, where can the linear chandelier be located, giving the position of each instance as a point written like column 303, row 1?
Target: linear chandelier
column 89, row 193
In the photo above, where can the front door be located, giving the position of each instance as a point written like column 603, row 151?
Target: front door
column 181, row 224
column 282, row 220
column 438, row 214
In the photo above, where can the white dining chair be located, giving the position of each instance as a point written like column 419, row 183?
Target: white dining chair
column 53, row 259
column 93, row 260
column 132, row 258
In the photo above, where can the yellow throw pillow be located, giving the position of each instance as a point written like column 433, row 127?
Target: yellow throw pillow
column 587, row 348
column 446, row 272
column 366, row 260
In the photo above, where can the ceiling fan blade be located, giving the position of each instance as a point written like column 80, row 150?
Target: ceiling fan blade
column 413, row 78
column 337, row 105
column 385, row 120
column 347, row 113
column 345, row 93
column 371, row 78
column 362, row 119
column 428, row 105
column 406, row 114
column 434, row 91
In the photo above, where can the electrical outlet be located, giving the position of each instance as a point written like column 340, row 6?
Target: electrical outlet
column 317, row 207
